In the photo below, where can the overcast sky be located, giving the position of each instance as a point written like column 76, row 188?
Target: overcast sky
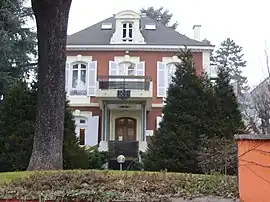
column 245, row 21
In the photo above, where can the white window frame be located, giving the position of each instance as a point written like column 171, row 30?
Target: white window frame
column 129, row 27
column 168, row 74
column 126, row 68
column 81, row 125
column 79, row 77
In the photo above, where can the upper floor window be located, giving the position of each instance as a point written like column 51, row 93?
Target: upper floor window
column 79, row 86
column 127, row 32
column 171, row 68
column 126, row 69
column 165, row 73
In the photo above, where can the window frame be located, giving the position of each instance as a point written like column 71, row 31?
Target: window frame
column 126, row 68
column 81, row 127
column 127, row 31
column 79, row 70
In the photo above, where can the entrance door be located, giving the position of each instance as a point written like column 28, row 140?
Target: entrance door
column 125, row 129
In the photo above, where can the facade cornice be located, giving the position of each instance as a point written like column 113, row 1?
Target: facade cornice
column 153, row 48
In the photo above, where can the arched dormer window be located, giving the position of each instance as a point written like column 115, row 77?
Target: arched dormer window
column 127, row 31
column 79, row 86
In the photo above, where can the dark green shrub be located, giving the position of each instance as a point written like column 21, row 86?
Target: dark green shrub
column 96, row 159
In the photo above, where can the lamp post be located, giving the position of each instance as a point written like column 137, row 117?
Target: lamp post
column 121, row 159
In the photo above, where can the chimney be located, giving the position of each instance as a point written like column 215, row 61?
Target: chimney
column 197, row 32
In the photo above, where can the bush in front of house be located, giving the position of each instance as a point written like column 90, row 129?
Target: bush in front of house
column 217, row 155
column 115, row 185
column 96, row 159
column 17, row 126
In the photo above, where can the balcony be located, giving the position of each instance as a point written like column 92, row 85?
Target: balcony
column 136, row 88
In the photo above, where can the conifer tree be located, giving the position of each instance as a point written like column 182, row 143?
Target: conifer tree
column 174, row 146
column 17, row 122
column 228, row 113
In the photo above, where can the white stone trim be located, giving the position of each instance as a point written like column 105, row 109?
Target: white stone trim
column 143, row 146
column 115, row 114
column 84, row 104
column 130, row 47
column 154, row 105
column 173, row 59
column 103, row 146
column 206, row 61
column 130, row 17
column 78, row 58
column 127, row 58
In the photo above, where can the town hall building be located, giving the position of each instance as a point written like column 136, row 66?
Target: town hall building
column 117, row 75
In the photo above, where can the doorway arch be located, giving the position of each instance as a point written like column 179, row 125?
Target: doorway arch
column 125, row 129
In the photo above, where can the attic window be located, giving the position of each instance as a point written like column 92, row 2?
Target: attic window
column 106, row 26
column 150, row 26
column 127, row 34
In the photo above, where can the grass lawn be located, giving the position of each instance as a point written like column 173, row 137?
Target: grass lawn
column 8, row 177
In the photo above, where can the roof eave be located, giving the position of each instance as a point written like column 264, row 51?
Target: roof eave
column 137, row 47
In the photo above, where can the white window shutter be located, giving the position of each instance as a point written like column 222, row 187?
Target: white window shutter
column 158, row 120
column 161, row 79
column 91, row 137
column 140, row 69
column 67, row 78
column 113, row 68
column 92, row 78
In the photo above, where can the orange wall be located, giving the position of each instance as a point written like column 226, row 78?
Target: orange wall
column 254, row 170
column 150, row 58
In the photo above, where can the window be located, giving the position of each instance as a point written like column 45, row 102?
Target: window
column 82, row 136
column 106, row 26
column 127, row 32
column 126, row 69
column 79, row 79
column 81, row 129
column 171, row 67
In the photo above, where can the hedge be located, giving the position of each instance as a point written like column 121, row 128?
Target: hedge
column 109, row 185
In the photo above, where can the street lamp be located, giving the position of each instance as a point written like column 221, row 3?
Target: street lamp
column 121, row 159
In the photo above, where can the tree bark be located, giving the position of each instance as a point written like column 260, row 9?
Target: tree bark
column 52, row 20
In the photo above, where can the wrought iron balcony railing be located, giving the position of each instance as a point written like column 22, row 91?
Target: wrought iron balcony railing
column 124, row 82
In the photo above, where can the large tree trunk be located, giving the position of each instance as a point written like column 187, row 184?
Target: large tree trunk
column 52, row 19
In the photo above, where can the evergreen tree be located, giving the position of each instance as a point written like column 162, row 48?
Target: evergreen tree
column 17, row 122
column 17, row 43
column 230, row 56
column 160, row 15
column 74, row 156
column 17, row 111
column 229, row 117
column 174, row 146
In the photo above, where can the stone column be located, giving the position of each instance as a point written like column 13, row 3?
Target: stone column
column 104, row 122
column 143, row 124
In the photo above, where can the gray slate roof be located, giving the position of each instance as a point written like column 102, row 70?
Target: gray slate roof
column 163, row 35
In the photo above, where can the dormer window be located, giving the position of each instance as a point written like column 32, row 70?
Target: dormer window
column 127, row 32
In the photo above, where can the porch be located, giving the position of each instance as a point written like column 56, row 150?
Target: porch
column 124, row 101
column 123, row 122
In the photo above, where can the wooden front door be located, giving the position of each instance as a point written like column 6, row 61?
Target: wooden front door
column 125, row 129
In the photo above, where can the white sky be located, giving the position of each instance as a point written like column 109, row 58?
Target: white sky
column 245, row 21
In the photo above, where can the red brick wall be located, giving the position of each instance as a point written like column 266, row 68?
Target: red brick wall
column 150, row 58
column 151, row 117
